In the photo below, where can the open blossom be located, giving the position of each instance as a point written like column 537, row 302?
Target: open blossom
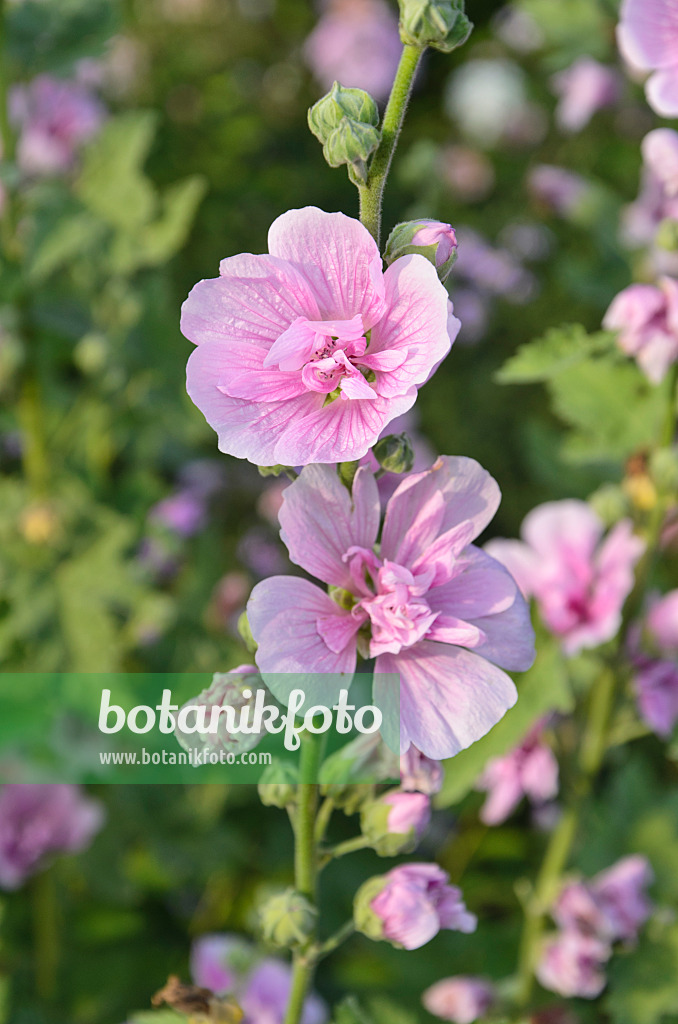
column 657, row 198
column 572, row 964
column 612, row 906
column 229, row 965
column 39, row 821
column 462, row 999
column 580, row 578
column 647, row 35
column 530, row 770
column 584, row 88
column 656, row 665
column 55, row 117
column 416, row 902
column 428, row 605
column 356, row 42
column 646, row 317
column 419, row 773
column 305, row 355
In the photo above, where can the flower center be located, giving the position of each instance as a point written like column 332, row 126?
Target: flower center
column 326, row 352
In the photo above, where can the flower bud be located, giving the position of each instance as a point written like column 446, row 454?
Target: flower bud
column 430, row 238
column 441, row 24
column 664, row 469
column 246, row 634
column 394, row 453
column 288, row 919
column 610, row 503
column 277, row 786
column 395, row 822
column 345, row 122
column 364, row 917
column 234, row 690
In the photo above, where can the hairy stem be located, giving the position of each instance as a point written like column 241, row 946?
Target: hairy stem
column 372, row 192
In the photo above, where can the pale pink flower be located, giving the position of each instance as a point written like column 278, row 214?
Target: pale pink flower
column 407, row 811
column 612, row 906
column 419, row 773
column 584, row 88
column 656, row 669
column 416, row 902
column 283, row 368
column 530, row 770
column 183, row 513
column 430, row 606
column 462, row 999
column 572, row 964
column 562, row 191
column 356, row 42
column 646, row 317
column 647, row 35
column 660, row 156
column 37, row 822
column 662, row 623
column 216, row 961
column 579, row 577
column 55, row 118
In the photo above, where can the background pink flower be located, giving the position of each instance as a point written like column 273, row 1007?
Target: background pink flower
column 572, row 964
column 283, row 368
column 530, row 770
column 580, row 578
column 416, row 902
column 430, row 607
column 648, row 39
column 654, row 655
column 584, row 88
column 646, row 317
column 461, row 1000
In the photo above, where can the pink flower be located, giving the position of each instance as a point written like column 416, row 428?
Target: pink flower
column 584, row 88
column 39, row 821
column 416, row 902
column 612, row 906
column 420, row 774
column 216, row 961
column 660, row 156
column 646, row 317
column 55, row 117
column 561, row 191
column 662, row 623
column 656, row 671
column 306, row 354
column 408, row 811
column 572, row 965
column 647, row 35
column 530, row 770
column 461, row 1000
column 579, row 579
column 356, row 42
column 183, row 513
column 429, row 606
column 266, row 994
column 434, row 232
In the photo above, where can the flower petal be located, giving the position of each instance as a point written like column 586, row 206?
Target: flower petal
column 561, row 529
column 647, row 33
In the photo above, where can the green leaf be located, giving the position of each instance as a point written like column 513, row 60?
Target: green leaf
column 384, row 1011
column 559, row 349
column 71, row 236
column 544, row 688
column 643, row 984
column 159, row 240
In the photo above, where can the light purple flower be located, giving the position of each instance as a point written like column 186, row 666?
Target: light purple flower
column 579, row 578
column 356, row 42
column 266, row 994
column 55, row 118
column 217, row 961
column 283, row 369
column 183, row 513
column 38, row 822
column 492, row 270
column 416, row 902
column 419, row 773
column 660, row 156
column 530, row 770
column 572, row 964
column 656, row 669
column 430, row 606
column 647, row 35
column 584, row 88
column 646, row 317
column 562, row 191
column 407, row 811
column 662, row 623
column 612, row 906
column 462, row 999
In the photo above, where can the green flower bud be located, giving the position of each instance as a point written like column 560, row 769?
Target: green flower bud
column 664, row 470
column 610, row 503
column 374, row 826
column 246, row 634
column 394, row 453
column 430, row 238
column 441, row 24
column 345, row 122
column 288, row 919
column 277, row 786
column 364, row 918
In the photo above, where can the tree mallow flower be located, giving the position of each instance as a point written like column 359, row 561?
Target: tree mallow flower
column 425, row 602
column 409, row 905
column 39, row 821
column 305, row 355
column 612, row 906
column 462, row 999
column 579, row 578
column 584, row 88
column 572, row 964
column 655, row 665
column 420, row 774
column 647, row 35
column 395, row 822
column 646, row 317
column 530, row 770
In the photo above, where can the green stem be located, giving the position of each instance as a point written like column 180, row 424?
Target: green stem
column 46, row 935
column 305, row 868
column 348, row 846
column 340, row 936
column 372, row 192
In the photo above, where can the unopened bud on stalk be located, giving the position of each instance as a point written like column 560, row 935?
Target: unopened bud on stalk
column 664, row 469
column 288, row 919
column 430, row 238
column 394, row 453
column 610, row 503
column 277, row 786
column 345, row 122
column 246, row 634
column 395, row 822
column 441, row 24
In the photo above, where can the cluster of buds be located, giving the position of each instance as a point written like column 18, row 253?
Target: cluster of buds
column 441, row 24
column 346, row 122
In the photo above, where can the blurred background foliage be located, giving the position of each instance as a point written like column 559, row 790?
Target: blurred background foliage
column 205, row 144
